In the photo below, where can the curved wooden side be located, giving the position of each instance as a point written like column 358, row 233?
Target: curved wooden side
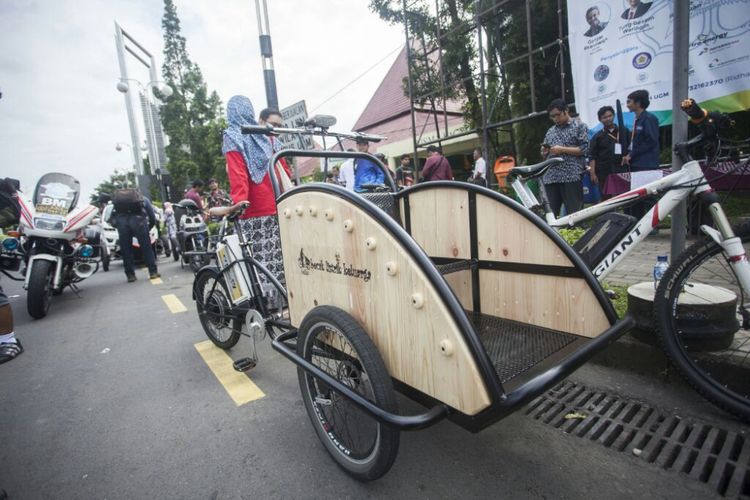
column 337, row 254
column 523, row 274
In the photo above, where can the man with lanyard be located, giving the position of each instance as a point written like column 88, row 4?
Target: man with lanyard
column 605, row 149
column 643, row 150
column 365, row 171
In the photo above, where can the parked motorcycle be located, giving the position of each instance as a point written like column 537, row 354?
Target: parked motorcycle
column 192, row 235
column 52, row 240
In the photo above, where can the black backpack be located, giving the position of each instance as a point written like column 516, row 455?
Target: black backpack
column 9, row 209
column 128, row 201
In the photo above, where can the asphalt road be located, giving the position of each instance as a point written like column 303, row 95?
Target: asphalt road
column 112, row 400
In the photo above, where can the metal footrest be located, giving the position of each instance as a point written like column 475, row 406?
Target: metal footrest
column 453, row 267
column 514, row 347
column 244, row 364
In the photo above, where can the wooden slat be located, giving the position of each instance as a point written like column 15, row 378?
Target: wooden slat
column 408, row 338
column 440, row 222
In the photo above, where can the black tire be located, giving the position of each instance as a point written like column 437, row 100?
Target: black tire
column 219, row 319
column 721, row 376
column 105, row 261
column 40, row 289
column 338, row 422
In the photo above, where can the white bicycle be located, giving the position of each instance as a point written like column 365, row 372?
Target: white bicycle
column 711, row 272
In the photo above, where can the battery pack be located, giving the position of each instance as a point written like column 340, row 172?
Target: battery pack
column 237, row 277
column 597, row 242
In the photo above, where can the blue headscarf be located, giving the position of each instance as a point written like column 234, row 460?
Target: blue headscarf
column 256, row 149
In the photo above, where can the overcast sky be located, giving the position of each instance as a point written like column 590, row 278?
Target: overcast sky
column 60, row 110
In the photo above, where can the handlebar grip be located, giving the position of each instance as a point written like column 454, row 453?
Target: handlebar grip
column 258, row 129
column 693, row 110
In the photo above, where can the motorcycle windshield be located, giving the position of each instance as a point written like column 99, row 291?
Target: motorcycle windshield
column 56, row 194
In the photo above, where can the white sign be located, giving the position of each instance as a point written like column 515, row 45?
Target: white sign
column 616, row 49
column 294, row 116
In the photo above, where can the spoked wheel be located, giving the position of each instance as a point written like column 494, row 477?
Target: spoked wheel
column 703, row 316
column 333, row 341
column 220, row 322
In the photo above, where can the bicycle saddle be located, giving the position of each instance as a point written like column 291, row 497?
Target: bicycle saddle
column 535, row 170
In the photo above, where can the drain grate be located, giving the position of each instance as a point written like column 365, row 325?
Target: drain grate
column 706, row 453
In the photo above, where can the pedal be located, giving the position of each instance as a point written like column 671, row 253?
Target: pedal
column 244, row 364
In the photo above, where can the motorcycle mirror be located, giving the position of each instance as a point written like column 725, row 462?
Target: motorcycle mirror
column 322, row 121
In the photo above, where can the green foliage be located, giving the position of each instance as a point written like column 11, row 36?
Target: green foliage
column 620, row 301
column 116, row 181
column 572, row 234
column 508, row 86
column 192, row 116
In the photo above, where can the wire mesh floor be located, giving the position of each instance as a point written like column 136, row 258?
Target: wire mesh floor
column 514, row 347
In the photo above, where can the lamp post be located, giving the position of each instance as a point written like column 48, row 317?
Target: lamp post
column 146, row 91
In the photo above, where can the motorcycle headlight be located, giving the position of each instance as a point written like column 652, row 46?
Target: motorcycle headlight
column 10, row 244
column 48, row 224
column 86, row 251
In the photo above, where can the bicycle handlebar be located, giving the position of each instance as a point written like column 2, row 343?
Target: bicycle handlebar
column 270, row 130
column 709, row 124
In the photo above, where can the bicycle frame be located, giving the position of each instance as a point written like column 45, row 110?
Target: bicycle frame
column 673, row 189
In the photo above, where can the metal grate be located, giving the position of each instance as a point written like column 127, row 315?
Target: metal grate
column 384, row 201
column 516, row 347
column 689, row 447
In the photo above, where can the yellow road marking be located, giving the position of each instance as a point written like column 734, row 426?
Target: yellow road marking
column 238, row 385
column 173, row 303
column 156, row 281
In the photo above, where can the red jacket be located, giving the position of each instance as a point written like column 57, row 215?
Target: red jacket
column 437, row 168
column 242, row 188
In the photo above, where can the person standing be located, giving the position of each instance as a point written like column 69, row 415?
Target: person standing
column 133, row 217
column 605, row 149
column 404, row 172
column 248, row 159
column 346, row 173
column 567, row 139
column 217, row 197
column 365, row 171
column 10, row 346
column 479, row 175
column 643, row 149
column 437, row 167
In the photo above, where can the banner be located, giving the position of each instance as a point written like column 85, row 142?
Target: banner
column 618, row 46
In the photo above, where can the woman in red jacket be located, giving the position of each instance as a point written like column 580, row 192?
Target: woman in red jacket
column 248, row 157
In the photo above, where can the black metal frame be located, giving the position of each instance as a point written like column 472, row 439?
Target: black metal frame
column 502, row 403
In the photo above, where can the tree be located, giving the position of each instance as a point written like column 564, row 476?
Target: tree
column 191, row 116
column 508, row 89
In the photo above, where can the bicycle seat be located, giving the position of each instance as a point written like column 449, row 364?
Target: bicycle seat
column 187, row 204
column 535, row 170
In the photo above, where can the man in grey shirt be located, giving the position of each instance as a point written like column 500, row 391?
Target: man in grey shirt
column 566, row 139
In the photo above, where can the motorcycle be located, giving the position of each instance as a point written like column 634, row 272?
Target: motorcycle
column 192, row 235
column 52, row 241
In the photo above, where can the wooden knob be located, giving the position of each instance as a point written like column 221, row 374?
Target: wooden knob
column 446, row 347
column 391, row 268
column 300, row 210
column 348, row 225
column 370, row 243
column 287, row 213
column 313, row 210
column 328, row 214
column 417, row 300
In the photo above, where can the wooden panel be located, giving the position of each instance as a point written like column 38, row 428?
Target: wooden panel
column 440, row 222
column 560, row 303
column 505, row 235
column 460, row 283
column 326, row 264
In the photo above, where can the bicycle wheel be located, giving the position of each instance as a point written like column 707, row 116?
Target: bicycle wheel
column 695, row 285
column 220, row 322
column 333, row 341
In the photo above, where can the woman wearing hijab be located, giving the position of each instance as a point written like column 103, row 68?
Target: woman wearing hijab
column 248, row 158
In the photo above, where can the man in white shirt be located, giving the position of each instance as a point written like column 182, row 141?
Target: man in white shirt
column 479, row 175
column 346, row 173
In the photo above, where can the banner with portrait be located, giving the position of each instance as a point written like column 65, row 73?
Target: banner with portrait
column 618, row 46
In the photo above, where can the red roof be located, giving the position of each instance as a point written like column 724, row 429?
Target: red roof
column 389, row 100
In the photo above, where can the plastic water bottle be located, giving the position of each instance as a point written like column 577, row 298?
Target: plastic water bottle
column 662, row 263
